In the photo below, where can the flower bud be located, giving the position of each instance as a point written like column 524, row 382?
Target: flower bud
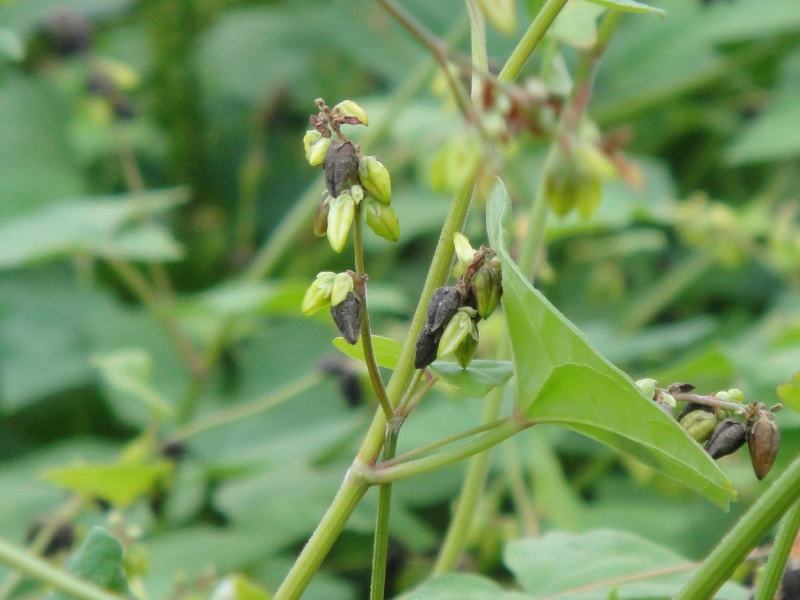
column 727, row 438
column 382, row 220
column 736, row 395
column 341, row 165
column 357, row 192
column 699, row 424
column 666, row 402
column 321, row 218
column 348, row 108
column 427, row 345
column 340, row 218
column 457, row 331
column 486, row 287
column 318, row 294
column 311, row 136
column 691, row 407
column 763, row 439
column 465, row 253
column 648, row 387
column 466, row 350
column 342, row 285
column 317, row 152
column 443, row 305
column 375, row 179
column 347, row 316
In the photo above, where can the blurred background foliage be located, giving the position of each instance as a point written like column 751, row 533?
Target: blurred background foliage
column 160, row 141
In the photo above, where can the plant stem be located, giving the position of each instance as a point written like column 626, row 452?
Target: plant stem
column 380, row 474
column 380, row 550
column 781, row 547
column 711, row 401
column 478, row 469
column 744, row 536
column 519, row 489
column 248, row 409
column 366, row 333
column 41, row 570
column 480, row 58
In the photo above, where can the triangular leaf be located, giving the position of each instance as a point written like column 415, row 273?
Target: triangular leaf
column 387, row 350
column 562, row 379
column 477, row 380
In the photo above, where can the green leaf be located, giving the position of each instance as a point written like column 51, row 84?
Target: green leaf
column 99, row 560
column 478, row 379
column 591, row 565
column 11, row 46
column 119, row 483
column 789, row 393
column 631, row 6
column 576, row 24
column 387, row 350
column 461, row 586
column 130, row 372
column 561, row 379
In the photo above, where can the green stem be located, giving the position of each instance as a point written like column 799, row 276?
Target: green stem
column 380, row 550
column 661, row 294
column 366, row 331
column 248, row 409
column 776, row 563
column 744, row 536
column 519, row 489
column 534, row 241
column 41, row 570
column 379, row 475
column 480, row 58
column 456, row 536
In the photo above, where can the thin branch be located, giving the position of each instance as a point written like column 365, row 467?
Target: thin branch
column 623, row 579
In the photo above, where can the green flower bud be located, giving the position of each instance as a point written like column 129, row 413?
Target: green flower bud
column 311, row 136
column 465, row 253
column 668, row 400
column 699, row 424
column 348, row 108
column 763, row 439
column 321, row 218
column 468, row 347
column 486, row 287
column 357, row 192
column 375, row 179
column 457, row 331
column 342, row 285
column 648, row 387
column 318, row 151
column 340, row 218
column 382, row 220
column 736, row 395
column 318, row 294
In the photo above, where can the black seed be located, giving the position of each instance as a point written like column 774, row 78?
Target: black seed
column 341, row 163
column 174, row 451
column 347, row 316
column 680, row 388
column 727, row 438
column 427, row 345
column 350, row 388
column 690, row 406
column 444, row 303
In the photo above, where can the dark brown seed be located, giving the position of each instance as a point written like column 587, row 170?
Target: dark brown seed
column 727, row 438
column 763, row 439
column 691, row 406
column 174, row 451
column 444, row 303
column 427, row 345
column 347, row 316
column 346, row 376
column 790, row 585
column 680, row 388
column 341, row 164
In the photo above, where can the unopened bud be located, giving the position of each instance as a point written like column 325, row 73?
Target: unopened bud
column 382, row 220
column 466, row 350
column 736, row 395
column 348, row 108
column 691, row 407
column 341, row 165
column 763, row 439
column 486, row 287
column 347, row 316
column 375, row 179
column 465, row 253
column 648, row 387
column 317, row 152
column 457, row 331
column 311, row 136
column 340, row 218
column 444, row 303
column 342, row 285
column 357, row 192
column 666, row 402
column 427, row 345
column 699, row 424
column 318, row 294
column 727, row 438
column 321, row 218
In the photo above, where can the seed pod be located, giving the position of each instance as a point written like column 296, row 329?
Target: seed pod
column 342, row 285
column 382, row 220
column 316, row 153
column 348, row 108
column 427, row 346
column 456, row 331
column 341, row 164
column 727, row 438
column 375, row 179
column 321, row 218
column 691, row 407
column 468, row 347
column 318, row 293
column 347, row 316
column 443, row 305
column 487, row 287
column 340, row 218
column 763, row 439
column 699, row 424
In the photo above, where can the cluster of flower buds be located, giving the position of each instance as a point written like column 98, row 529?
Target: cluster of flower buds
column 723, row 422
column 451, row 321
column 350, row 178
column 343, row 293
